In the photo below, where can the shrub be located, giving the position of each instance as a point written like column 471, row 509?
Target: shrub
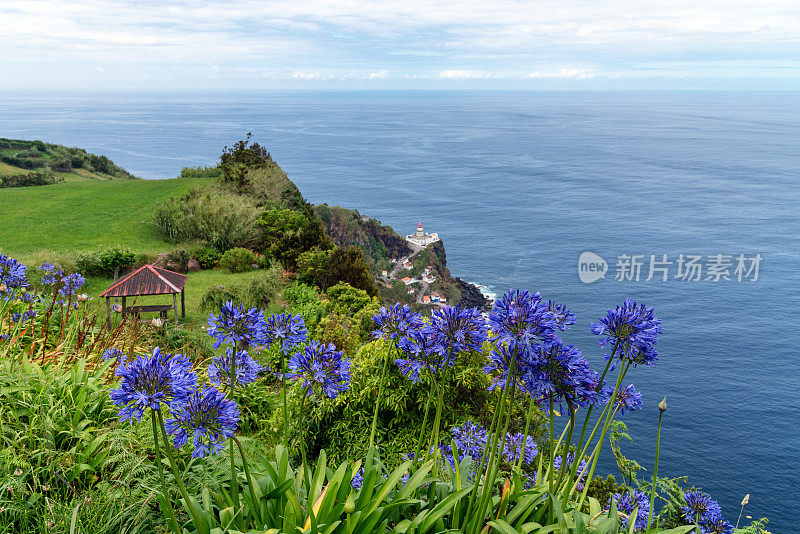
column 105, row 262
column 215, row 296
column 237, row 260
column 28, row 180
column 220, row 219
column 208, row 257
column 178, row 260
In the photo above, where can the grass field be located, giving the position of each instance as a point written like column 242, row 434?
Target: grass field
column 78, row 216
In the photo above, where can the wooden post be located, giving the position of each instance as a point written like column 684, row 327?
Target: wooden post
column 108, row 311
column 183, row 303
column 124, row 306
column 175, row 307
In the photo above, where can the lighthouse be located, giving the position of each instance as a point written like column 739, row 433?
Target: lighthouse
column 420, row 238
column 420, row 231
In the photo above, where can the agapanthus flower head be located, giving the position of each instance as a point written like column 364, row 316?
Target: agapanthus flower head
column 13, row 275
column 395, row 322
column 699, row 506
column 564, row 318
column 235, row 325
column 516, row 446
column 247, row 369
column 453, row 330
column 286, row 329
column 558, row 370
column 714, row 523
column 520, row 318
column 470, row 439
column 419, row 355
column 70, row 285
column 152, row 380
column 626, row 502
column 358, row 479
column 322, row 365
column 208, row 417
column 15, row 317
column 113, row 352
column 633, row 329
column 52, row 274
column 628, row 400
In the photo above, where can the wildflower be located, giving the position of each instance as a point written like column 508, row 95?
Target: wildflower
column 500, row 360
column 516, row 446
column 453, row 330
column 420, row 355
column 117, row 308
column 112, row 353
column 83, row 297
column 15, row 317
column 152, row 380
column 628, row 400
column 633, row 328
column 470, row 439
column 157, row 322
column 13, row 274
column 235, row 325
column 70, row 285
column 564, row 318
column 560, row 371
column 699, row 506
column 714, row 523
column 358, row 479
column 247, row 369
column 287, row 329
column 395, row 322
column 323, row 365
column 520, row 319
column 626, row 502
column 208, row 417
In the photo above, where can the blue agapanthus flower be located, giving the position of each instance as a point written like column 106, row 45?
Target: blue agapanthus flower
column 113, row 352
column 626, row 502
column 453, row 330
column 516, row 446
column 715, row 524
column 13, row 276
column 628, row 400
column 235, row 325
column 580, row 471
column 633, row 328
column 321, row 364
column 70, row 285
column 395, row 322
column 15, row 317
column 358, row 479
column 563, row 316
column 499, row 365
column 247, row 369
column 699, row 506
column 560, row 371
column 152, row 380
column 419, row 355
column 520, row 319
column 208, row 417
column 471, row 440
column 286, row 329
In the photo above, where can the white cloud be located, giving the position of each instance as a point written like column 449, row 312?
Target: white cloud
column 99, row 69
column 564, row 74
column 380, row 75
column 467, row 75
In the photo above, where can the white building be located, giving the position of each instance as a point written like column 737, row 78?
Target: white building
column 420, row 238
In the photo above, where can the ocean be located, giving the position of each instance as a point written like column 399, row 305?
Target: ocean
column 519, row 185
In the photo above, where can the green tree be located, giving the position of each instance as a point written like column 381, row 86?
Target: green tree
column 289, row 233
column 237, row 161
column 346, row 264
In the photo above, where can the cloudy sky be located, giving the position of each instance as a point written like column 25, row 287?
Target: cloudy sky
column 443, row 44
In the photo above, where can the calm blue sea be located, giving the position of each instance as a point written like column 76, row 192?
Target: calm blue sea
column 519, row 185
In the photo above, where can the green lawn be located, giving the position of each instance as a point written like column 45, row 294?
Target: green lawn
column 79, row 216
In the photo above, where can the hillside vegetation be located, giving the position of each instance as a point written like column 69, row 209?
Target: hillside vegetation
column 55, row 163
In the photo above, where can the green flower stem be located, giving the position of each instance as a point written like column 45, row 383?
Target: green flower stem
column 437, row 421
column 531, row 404
column 285, row 429
column 655, row 473
column 484, row 457
column 234, row 478
column 304, row 393
column 622, row 370
column 176, row 473
column 255, row 507
column 571, row 426
column 418, row 448
column 378, row 401
column 173, row 522
column 552, row 451
column 599, row 386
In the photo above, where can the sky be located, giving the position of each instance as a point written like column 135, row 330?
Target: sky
column 413, row 44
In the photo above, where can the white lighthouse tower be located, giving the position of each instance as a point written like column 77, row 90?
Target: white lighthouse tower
column 420, row 238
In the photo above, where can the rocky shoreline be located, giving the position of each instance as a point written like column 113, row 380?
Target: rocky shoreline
column 471, row 296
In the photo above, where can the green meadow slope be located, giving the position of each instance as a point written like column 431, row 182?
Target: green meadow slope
column 80, row 216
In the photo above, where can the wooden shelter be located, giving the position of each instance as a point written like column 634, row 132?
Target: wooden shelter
column 145, row 281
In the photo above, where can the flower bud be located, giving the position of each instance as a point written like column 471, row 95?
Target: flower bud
column 83, row 297
column 662, row 406
column 350, row 504
column 746, row 499
column 2, row 288
column 157, row 322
